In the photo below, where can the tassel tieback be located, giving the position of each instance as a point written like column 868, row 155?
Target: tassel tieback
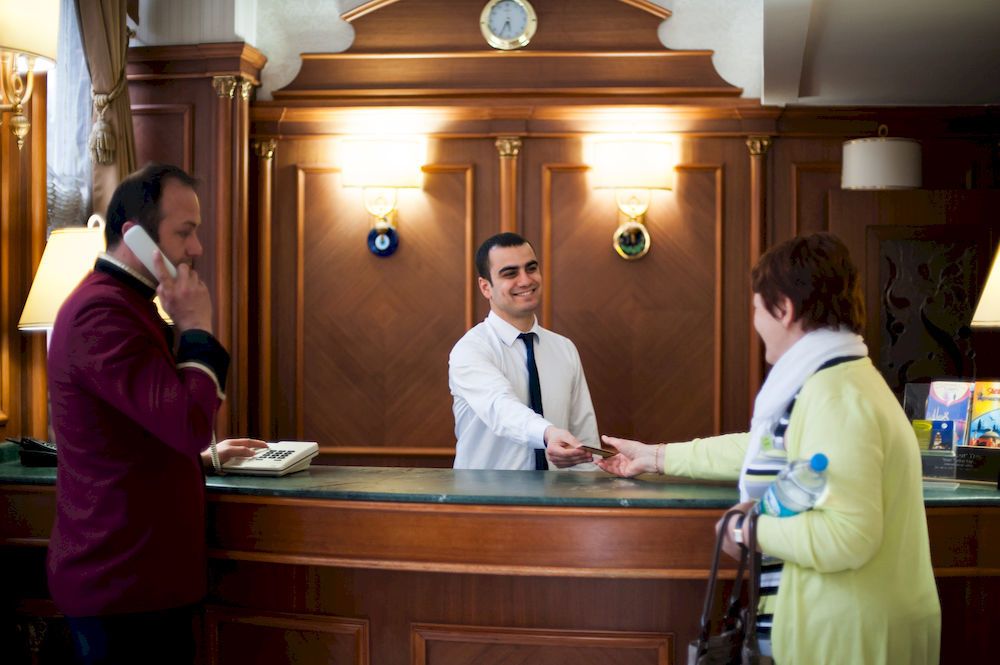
column 103, row 143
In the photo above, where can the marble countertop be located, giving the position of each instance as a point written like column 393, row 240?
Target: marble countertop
column 465, row 486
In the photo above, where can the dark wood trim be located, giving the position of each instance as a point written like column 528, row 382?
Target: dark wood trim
column 239, row 288
column 469, row 228
column 186, row 111
column 508, row 147
column 265, row 361
column 301, row 172
column 718, row 327
column 423, row 635
column 358, row 630
column 759, row 148
column 798, row 169
column 547, row 171
column 375, row 5
column 182, row 61
column 549, row 74
column 222, row 182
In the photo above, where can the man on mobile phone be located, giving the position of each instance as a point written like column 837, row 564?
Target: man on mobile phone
column 133, row 407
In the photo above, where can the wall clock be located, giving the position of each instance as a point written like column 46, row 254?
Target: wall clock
column 508, row 24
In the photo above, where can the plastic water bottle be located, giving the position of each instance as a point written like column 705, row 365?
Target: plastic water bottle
column 798, row 487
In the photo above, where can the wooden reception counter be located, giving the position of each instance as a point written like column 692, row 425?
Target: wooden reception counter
column 392, row 566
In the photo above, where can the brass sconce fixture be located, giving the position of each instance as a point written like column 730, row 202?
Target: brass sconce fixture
column 381, row 166
column 633, row 167
column 881, row 162
column 28, row 38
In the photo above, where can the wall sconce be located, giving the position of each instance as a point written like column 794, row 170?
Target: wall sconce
column 633, row 167
column 381, row 166
column 69, row 255
column 28, row 38
column 881, row 162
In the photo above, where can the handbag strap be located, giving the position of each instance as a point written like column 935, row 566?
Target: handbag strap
column 753, row 581
column 706, row 615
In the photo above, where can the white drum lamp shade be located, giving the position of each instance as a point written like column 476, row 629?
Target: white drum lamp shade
column 881, row 162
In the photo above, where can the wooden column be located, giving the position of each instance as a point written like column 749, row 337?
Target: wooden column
column 239, row 289
column 508, row 147
column 225, row 91
column 264, row 150
column 232, row 244
column 758, row 147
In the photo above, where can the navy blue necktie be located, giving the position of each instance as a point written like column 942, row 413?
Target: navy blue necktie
column 534, row 393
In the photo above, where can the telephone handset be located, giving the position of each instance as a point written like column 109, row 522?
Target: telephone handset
column 277, row 459
column 142, row 246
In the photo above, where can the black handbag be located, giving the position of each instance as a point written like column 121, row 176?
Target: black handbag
column 736, row 642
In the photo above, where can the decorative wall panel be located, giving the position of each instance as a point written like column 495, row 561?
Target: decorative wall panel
column 236, row 636
column 927, row 286
column 480, row 645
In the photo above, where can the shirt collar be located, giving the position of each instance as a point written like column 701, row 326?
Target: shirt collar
column 112, row 266
column 505, row 331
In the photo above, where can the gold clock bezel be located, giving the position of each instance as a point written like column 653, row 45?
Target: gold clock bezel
column 517, row 42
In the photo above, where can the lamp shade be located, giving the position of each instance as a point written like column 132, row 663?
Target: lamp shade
column 633, row 164
column 881, row 162
column 987, row 314
column 69, row 255
column 30, row 27
column 381, row 162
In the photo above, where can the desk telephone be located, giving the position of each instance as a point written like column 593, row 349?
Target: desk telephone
column 34, row 452
column 278, row 459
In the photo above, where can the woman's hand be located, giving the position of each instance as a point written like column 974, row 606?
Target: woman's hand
column 632, row 459
column 231, row 448
column 729, row 545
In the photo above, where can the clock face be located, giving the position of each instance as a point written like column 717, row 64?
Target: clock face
column 508, row 24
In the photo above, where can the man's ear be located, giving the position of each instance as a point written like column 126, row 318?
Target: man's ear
column 485, row 288
column 126, row 226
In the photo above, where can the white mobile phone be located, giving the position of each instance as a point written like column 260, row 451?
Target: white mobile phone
column 142, row 246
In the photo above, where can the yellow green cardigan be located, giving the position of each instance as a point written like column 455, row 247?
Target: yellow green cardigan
column 857, row 585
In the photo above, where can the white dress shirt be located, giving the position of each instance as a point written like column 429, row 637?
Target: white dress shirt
column 488, row 377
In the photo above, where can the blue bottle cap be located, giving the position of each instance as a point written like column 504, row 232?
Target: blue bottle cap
column 818, row 462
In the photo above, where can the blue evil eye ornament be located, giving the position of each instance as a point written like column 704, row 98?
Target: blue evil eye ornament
column 383, row 243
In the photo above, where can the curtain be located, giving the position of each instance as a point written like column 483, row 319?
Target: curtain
column 68, row 123
column 112, row 143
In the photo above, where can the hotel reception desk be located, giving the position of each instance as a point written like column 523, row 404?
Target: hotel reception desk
column 437, row 566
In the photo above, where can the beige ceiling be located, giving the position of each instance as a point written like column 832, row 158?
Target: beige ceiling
column 881, row 52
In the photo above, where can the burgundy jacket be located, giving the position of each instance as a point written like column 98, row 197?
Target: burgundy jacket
column 130, row 418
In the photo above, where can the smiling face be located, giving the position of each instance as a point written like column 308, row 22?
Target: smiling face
column 515, row 285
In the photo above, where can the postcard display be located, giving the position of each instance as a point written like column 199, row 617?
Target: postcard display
column 959, row 431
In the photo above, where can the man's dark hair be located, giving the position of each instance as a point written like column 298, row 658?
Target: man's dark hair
column 137, row 199
column 817, row 276
column 499, row 240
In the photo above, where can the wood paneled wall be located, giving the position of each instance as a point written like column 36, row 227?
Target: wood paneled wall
column 23, row 409
column 334, row 344
column 190, row 107
column 355, row 346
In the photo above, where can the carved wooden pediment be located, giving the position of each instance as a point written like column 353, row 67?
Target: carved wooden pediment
column 418, row 51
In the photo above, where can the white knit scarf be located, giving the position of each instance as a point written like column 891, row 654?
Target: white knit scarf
column 786, row 378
